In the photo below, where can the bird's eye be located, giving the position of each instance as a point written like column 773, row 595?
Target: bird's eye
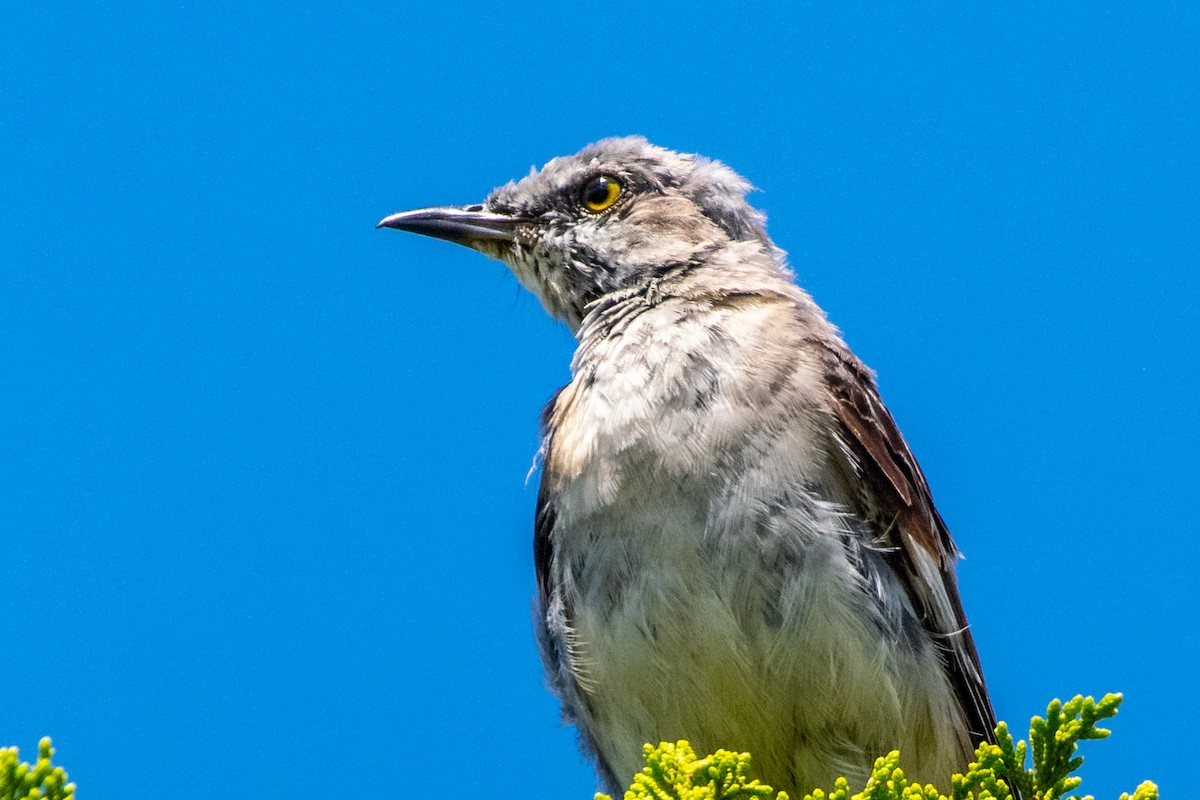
column 600, row 193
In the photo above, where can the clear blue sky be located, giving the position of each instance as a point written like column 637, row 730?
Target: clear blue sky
column 263, row 498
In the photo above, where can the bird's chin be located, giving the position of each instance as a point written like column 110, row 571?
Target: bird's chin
column 494, row 248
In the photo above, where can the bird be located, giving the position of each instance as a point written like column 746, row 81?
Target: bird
column 733, row 543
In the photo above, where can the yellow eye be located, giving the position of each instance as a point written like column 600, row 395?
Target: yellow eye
column 600, row 193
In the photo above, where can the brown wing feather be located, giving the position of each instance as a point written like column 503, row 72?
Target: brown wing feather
column 896, row 498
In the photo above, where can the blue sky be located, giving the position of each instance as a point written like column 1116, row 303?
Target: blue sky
column 263, row 501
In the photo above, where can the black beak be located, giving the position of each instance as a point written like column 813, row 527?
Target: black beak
column 465, row 225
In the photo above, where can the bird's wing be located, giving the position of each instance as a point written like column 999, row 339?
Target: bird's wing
column 550, row 626
column 544, row 516
column 894, row 496
column 543, row 524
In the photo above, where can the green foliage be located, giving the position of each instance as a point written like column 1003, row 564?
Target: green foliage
column 1053, row 742
column 673, row 772
column 40, row 781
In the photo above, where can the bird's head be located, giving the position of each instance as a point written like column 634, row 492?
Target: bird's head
column 614, row 216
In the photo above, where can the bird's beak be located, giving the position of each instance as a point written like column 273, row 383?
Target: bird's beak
column 466, row 225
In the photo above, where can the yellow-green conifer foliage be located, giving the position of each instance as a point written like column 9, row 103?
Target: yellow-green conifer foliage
column 39, row 781
column 673, row 771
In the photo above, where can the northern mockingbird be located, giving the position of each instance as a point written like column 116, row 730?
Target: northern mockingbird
column 734, row 545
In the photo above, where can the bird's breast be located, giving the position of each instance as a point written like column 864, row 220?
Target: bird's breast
column 714, row 585
column 688, row 392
